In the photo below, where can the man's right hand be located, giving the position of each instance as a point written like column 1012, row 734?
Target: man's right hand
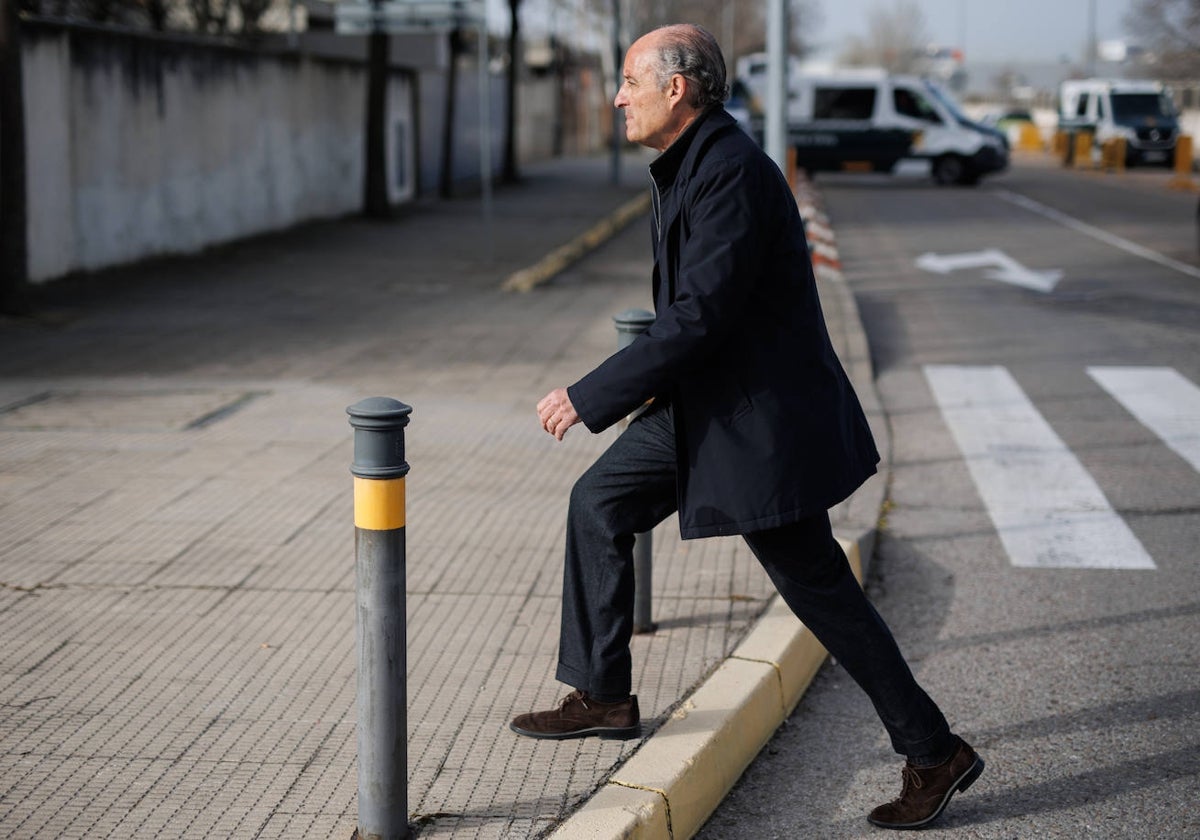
column 556, row 413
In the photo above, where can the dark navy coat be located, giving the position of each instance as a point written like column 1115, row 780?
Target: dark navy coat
column 768, row 427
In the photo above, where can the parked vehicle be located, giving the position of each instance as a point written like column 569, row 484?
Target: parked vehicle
column 871, row 120
column 1141, row 112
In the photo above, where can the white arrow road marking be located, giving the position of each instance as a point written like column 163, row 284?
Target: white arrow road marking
column 1047, row 509
column 1162, row 400
column 1004, row 268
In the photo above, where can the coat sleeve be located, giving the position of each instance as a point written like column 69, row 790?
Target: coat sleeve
column 723, row 231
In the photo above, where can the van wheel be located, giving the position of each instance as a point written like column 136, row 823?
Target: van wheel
column 948, row 169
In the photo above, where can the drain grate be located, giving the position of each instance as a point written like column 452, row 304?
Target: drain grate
column 124, row 410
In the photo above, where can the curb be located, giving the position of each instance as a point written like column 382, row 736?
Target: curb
column 682, row 772
column 670, row 786
column 544, row 269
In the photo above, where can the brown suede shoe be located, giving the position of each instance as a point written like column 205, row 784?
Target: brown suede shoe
column 927, row 790
column 579, row 716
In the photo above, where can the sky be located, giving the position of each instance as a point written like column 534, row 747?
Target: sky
column 989, row 30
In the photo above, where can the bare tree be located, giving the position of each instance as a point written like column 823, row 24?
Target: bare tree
column 157, row 12
column 895, row 39
column 210, row 16
column 213, row 17
column 1169, row 32
column 251, row 12
column 739, row 25
column 14, row 253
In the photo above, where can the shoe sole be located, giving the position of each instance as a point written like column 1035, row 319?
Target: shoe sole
column 604, row 733
column 962, row 783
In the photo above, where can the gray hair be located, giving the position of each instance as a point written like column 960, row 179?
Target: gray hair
column 693, row 52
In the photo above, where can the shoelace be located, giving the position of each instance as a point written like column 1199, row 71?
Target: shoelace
column 910, row 777
column 574, row 695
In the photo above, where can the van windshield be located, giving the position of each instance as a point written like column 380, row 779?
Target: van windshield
column 1135, row 107
column 948, row 103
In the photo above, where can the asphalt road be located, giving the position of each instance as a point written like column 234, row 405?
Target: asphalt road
column 1037, row 560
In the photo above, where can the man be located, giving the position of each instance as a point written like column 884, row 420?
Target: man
column 753, row 428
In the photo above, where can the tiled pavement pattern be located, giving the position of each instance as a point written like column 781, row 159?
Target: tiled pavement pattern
column 176, row 532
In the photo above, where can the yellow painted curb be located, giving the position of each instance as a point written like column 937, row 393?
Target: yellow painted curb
column 527, row 279
column 618, row 812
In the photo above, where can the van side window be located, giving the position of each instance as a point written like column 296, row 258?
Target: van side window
column 909, row 103
column 1082, row 108
column 843, row 103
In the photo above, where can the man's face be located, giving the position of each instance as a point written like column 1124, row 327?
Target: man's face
column 651, row 115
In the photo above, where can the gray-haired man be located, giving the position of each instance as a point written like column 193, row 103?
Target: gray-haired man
column 754, row 427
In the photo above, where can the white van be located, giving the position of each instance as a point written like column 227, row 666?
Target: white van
column 875, row 121
column 871, row 120
column 1141, row 112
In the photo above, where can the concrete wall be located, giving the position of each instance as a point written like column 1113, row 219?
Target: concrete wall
column 140, row 146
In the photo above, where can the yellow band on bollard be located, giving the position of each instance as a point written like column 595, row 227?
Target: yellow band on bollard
column 378, row 503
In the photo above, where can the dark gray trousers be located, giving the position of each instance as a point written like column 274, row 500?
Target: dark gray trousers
column 630, row 489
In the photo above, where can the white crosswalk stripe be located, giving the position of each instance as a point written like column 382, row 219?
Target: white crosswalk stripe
column 1162, row 400
column 1047, row 509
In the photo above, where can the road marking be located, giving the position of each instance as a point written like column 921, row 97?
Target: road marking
column 1096, row 233
column 1162, row 400
column 1047, row 509
column 1004, row 268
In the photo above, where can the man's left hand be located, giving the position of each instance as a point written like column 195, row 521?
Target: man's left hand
column 556, row 413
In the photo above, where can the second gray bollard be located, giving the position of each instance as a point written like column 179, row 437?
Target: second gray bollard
column 630, row 324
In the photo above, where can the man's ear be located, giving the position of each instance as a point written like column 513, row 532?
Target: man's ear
column 677, row 89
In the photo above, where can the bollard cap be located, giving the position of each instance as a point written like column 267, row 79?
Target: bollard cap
column 379, row 413
column 634, row 320
column 379, row 437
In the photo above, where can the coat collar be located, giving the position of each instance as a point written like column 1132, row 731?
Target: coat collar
column 681, row 155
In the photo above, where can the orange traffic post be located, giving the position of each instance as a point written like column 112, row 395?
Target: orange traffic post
column 1029, row 138
column 1083, row 150
column 1059, row 144
column 1112, row 154
column 1182, row 180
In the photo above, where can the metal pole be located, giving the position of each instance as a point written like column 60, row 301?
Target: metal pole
column 1091, row 43
column 381, row 630
column 777, row 79
column 630, row 324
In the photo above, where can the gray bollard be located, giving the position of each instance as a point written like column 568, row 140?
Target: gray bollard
column 381, row 627
column 630, row 324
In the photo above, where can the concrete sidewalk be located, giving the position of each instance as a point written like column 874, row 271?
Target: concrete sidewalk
column 176, row 531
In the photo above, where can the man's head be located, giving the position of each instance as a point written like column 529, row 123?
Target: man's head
column 672, row 75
